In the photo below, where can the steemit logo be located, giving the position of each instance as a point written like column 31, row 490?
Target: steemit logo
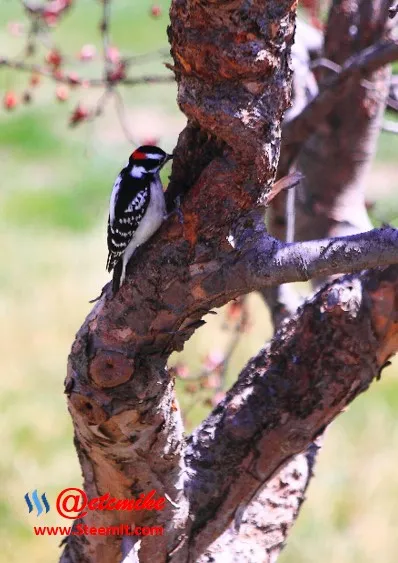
column 37, row 503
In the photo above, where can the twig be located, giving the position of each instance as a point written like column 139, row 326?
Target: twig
column 145, row 57
column 100, row 105
column 165, row 79
column 77, row 81
column 392, row 103
column 239, row 328
column 393, row 11
column 390, row 126
column 222, row 366
column 219, row 368
column 323, row 62
column 288, row 182
column 105, row 41
column 122, row 116
column 297, row 131
column 290, row 214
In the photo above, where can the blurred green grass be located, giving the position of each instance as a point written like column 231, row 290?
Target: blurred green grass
column 55, row 186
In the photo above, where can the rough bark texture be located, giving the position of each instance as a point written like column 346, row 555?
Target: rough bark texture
column 231, row 64
column 280, row 403
column 326, row 153
column 299, row 129
column 128, row 431
column 259, row 532
column 347, row 141
column 342, row 126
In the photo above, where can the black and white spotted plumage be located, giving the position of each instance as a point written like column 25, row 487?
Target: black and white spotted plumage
column 137, row 205
column 128, row 214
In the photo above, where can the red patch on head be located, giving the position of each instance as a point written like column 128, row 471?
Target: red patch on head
column 138, row 155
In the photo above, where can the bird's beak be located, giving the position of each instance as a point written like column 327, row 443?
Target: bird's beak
column 169, row 157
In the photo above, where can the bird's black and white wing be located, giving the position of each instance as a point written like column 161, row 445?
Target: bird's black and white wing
column 128, row 205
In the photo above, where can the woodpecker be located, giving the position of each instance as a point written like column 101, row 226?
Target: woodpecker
column 137, row 205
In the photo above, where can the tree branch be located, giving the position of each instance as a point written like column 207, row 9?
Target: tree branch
column 261, row 529
column 264, row 261
column 350, row 131
column 231, row 64
column 299, row 129
column 315, row 365
column 128, row 430
column 73, row 80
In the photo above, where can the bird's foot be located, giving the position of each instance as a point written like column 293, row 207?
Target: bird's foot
column 176, row 211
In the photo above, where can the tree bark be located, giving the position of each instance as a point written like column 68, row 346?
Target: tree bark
column 232, row 68
column 333, row 151
column 338, row 130
column 128, row 430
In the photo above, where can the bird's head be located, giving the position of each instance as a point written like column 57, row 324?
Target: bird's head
column 147, row 160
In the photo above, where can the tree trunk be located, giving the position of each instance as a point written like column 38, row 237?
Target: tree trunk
column 232, row 68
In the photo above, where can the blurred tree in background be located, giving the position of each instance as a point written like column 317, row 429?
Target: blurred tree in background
column 106, row 77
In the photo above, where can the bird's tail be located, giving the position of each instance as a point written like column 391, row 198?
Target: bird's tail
column 117, row 274
column 112, row 261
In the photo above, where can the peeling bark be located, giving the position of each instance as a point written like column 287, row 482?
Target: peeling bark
column 349, row 135
column 261, row 529
column 338, row 131
column 128, row 430
column 232, row 68
column 337, row 94
column 315, row 365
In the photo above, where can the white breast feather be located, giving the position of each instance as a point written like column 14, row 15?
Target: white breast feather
column 150, row 223
column 137, row 171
